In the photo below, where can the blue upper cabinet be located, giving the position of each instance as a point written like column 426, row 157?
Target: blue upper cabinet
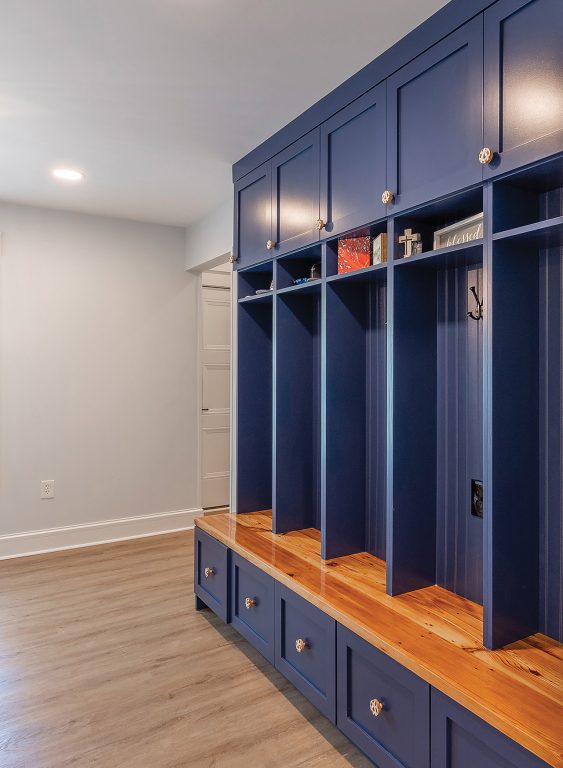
column 353, row 164
column 253, row 217
column 523, row 82
column 295, row 194
column 434, row 119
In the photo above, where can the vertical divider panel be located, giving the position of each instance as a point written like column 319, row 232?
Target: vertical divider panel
column 513, row 525
column 389, row 539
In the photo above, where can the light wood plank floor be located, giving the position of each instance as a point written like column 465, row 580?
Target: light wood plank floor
column 105, row 663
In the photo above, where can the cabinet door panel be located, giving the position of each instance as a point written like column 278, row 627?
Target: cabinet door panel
column 353, row 164
column 434, row 119
column 523, row 81
column 459, row 739
column 211, row 573
column 253, row 216
column 295, row 194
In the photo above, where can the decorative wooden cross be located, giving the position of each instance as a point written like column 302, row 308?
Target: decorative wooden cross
column 407, row 239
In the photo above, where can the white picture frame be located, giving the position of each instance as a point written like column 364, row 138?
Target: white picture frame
column 461, row 232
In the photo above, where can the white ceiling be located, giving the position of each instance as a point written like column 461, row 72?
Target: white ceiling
column 155, row 99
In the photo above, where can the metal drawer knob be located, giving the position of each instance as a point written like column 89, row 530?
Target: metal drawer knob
column 300, row 645
column 375, row 707
column 270, row 244
column 387, row 197
column 486, row 156
column 209, row 572
column 249, row 603
column 232, row 258
column 320, row 224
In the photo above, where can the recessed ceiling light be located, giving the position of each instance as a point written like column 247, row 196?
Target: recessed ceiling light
column 67, row 174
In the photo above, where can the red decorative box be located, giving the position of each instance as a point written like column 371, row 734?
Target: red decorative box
column 354, row 253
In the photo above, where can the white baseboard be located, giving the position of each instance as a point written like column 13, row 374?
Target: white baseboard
column 103, row 532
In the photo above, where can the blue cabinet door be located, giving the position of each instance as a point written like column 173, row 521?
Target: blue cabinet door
column 295, row 194
column 353, row 164
column 252, row 601
column 305, row 649
column 253, row 217
column 211, row 576
column 434, row 119
column 382, row 707
column 460, row 739
column 523, row 82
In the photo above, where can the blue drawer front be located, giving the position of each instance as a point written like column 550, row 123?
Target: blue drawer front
column 312, row 671
column 253, row 619
column 461, row 740
column 212, row 588
column 399, row 734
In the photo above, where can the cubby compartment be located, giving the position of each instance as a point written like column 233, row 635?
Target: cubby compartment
column 532, row 199
column 297, row 410
column 254, row 405
column 428, row 219
column 372, row 231
column 299, row 266
column 255, row 281
column 526, row 417
column 437, row 432
column 356, row 396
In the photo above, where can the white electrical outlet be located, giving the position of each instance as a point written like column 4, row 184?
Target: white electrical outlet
column 47, row 489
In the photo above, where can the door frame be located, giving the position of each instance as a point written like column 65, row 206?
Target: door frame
column 224, row 258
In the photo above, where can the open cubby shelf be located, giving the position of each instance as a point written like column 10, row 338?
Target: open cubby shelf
column 297, row 265
column 404, row 428
column 527, row 448
column 297, row 481
column 310, row 287
column 530, row 196
column 331, row 258
column 427, row 219
column 254, row 405
column 356, row 351
column 463, row 254
column 261, row 298
column 377, row 272
column 258, row 277
column 437, row 428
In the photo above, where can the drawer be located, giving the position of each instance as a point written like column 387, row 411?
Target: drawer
column 252, row 605
column 211, row 577
column 382, row 707
column 460, row 739
column 305, row 649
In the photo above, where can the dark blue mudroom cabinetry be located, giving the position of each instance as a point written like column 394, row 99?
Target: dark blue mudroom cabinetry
column 411, row 410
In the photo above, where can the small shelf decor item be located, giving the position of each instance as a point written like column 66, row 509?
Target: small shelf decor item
column 462, row 232
column 379, row 249
column 354, row 253
column 412, row 242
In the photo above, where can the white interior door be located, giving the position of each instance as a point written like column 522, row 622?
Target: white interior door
column 215, row 377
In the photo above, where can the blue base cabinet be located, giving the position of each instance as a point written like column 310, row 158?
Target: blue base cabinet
column 461, row 740
column 306, row 649
column 382, row 707
column 211, row 574
column 252, row 601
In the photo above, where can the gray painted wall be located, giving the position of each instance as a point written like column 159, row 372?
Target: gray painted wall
column 98, row 379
